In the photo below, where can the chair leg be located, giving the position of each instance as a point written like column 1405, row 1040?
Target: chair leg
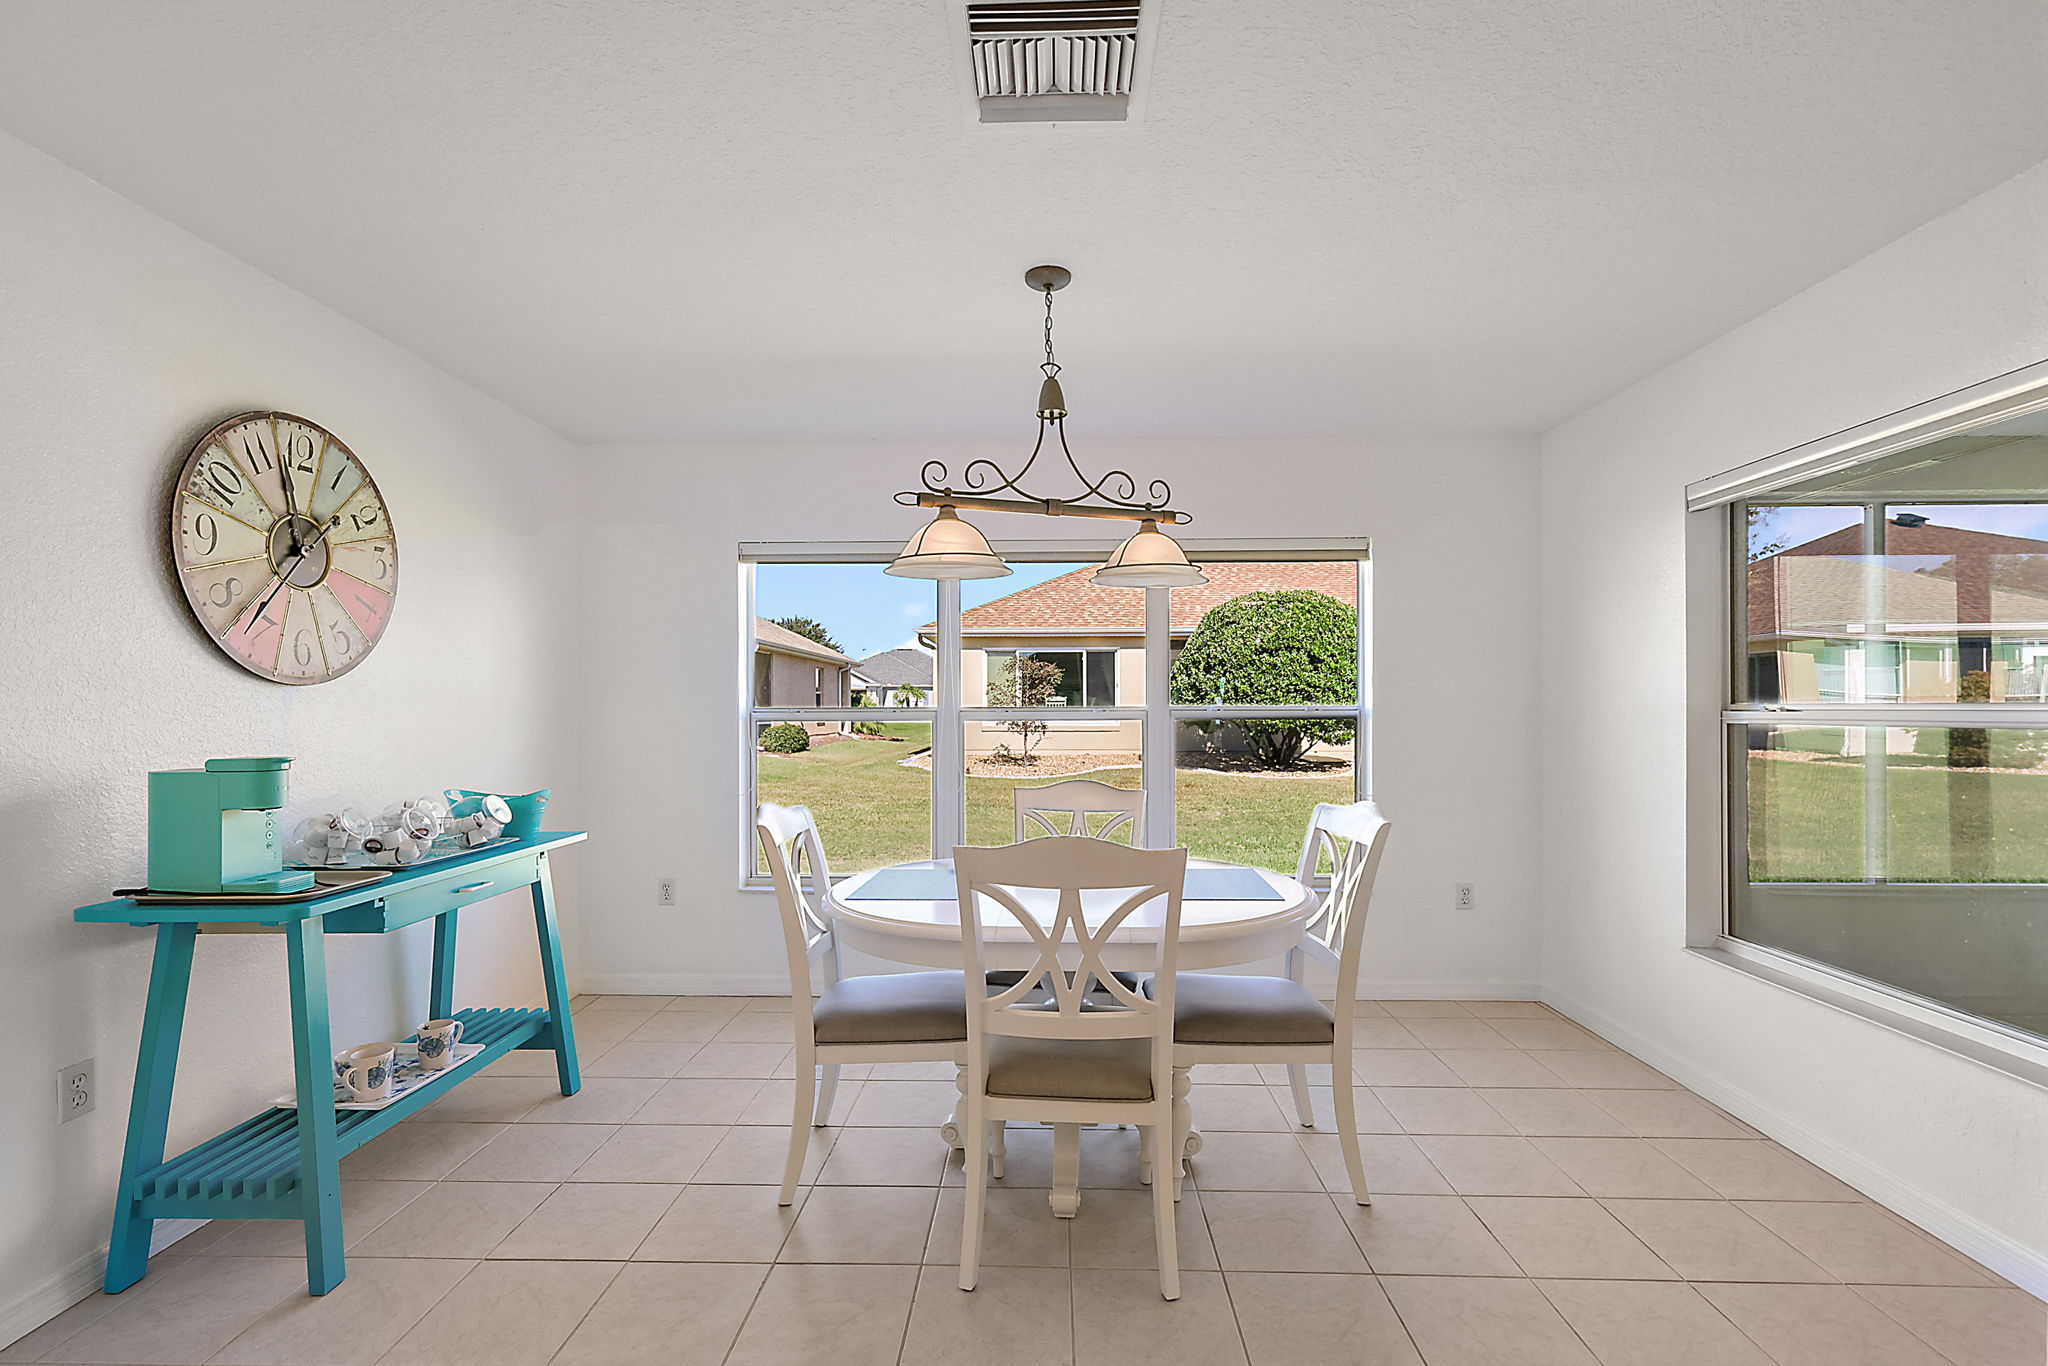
column 977, row 1195
column 1341, row 1083
column 1161, row 1136
column 799, row 1128
column 997, row 1148
column 828, row 1089
column 1297, row 1078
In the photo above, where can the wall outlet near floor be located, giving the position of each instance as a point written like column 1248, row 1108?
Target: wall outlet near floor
column 75, row 1091
column 1463, row 898
column 665, row 892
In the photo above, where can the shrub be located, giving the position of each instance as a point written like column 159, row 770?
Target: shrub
column 785, row 737
column 1294, row 647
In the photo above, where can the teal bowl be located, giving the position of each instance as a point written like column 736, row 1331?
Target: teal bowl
column 526, row 810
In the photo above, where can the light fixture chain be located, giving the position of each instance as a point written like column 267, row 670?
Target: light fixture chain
column 1051, row 366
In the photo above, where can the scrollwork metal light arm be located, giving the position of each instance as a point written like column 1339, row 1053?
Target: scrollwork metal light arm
column 1115, row 495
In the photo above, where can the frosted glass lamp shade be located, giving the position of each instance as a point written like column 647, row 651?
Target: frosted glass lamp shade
column 1148, row 559
column 948, row 549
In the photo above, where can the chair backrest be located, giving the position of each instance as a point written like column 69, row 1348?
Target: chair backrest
column 789, row 842
column 1072, row 803
column 1040, row 885
column 1353, row 837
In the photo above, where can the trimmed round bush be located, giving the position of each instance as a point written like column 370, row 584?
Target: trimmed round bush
column 785, row 737
column 1294, row 647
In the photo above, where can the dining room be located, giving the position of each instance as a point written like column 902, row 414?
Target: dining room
column 1075, row 678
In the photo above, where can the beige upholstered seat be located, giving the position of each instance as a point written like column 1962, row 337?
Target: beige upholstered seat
column 1024, row 1068
column 1211, row 1008
column 904, row 1007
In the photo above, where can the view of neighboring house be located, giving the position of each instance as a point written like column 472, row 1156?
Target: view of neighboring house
column 895, row 678
column 1096, row 638
column 795, row 671
column 1831, row 622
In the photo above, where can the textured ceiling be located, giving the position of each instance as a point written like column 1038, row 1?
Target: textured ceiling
column 679, row 220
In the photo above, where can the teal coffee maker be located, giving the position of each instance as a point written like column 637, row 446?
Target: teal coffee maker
column 214, row 829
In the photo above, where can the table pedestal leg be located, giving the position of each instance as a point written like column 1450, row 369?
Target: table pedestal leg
column 1188, row 1142
column 1066, row 1170
column 953, row 1128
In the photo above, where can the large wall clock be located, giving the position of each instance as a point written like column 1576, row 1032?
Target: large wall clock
column 284, row 547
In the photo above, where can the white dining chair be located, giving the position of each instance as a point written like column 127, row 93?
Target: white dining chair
column 895, row 1017
column 1226, row 1019
column 1076, row 800
column 1069, row 1043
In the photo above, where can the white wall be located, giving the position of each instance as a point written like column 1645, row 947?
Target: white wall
column 1942, row 1139
column 122, row 339
column 1454, row 603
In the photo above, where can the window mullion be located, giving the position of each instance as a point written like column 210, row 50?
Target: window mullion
column 1157, row 731
column 949, row 759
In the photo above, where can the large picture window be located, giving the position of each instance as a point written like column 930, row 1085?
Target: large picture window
column 1886, row 737
column 1236, row 705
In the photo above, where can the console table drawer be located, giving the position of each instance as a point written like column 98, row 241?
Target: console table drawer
column 417, row 903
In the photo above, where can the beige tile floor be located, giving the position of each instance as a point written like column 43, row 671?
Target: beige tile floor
column 1540, row 1198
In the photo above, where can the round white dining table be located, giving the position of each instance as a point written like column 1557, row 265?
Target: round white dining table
column 1213, row 934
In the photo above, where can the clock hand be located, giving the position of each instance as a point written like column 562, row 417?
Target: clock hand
column 284, row 574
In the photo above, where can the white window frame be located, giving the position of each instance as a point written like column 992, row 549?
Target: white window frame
column 1715, row 618
column 948, row 717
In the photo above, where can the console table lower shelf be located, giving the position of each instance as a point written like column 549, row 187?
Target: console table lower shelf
column 252, row 1170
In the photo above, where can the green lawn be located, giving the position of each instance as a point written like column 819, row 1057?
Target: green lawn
column 872, row 810
column 1806, row 823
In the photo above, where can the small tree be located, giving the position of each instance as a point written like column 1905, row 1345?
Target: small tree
column 808, row 629
column 864, row 698
column 909, row 695
column 1021, row 681
column 1294, row 648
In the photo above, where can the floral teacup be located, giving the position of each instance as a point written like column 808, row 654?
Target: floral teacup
column 437, row 1040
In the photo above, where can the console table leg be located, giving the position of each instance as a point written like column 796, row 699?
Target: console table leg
column 313, row 1068
column 557, row 980
column 149, row 1112
column 441, row 990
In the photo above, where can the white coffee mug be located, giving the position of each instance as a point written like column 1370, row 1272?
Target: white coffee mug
column 366, row 1070
column 437, row 1040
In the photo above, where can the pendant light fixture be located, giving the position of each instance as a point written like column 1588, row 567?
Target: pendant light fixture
column 951, row 549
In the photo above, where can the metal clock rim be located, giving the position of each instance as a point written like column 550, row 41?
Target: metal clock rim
column 178, row 569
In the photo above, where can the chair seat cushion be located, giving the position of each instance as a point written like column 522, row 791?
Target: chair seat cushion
column 1211, row 1008
column 1069, row 1069
column 903, row 1007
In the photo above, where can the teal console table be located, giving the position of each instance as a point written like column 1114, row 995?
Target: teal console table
column 284, row 1164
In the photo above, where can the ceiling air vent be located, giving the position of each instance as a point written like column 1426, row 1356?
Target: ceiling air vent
column 1053, row 60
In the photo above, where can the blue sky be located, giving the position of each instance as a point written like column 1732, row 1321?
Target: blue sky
column 1791, row 526
column 868, row 611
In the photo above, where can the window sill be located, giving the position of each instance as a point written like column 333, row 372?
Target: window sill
column 1991, row 1045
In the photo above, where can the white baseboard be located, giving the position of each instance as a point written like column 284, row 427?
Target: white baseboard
column 2024, row 1266
column 36, row 1306
column 775, row 984
column 683, row 984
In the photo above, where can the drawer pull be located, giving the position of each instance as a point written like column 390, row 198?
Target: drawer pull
column 472, row 887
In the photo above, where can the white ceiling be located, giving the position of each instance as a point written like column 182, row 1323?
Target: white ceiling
column 672, row 219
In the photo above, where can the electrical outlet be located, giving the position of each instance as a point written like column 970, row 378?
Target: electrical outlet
column 1463, row 898
column 665, row 892
column 75, row 1090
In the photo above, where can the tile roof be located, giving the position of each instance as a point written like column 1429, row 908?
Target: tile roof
column 1928, row 577
column 769, row 636
column 1071, row 606
column 893, row 667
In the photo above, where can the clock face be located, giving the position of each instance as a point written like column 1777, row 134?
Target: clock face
column 284, row 547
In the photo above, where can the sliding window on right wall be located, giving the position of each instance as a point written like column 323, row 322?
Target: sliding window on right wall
column 1886, row 732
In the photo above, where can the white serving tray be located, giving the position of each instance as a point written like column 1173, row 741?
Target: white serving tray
column 407, row 1076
